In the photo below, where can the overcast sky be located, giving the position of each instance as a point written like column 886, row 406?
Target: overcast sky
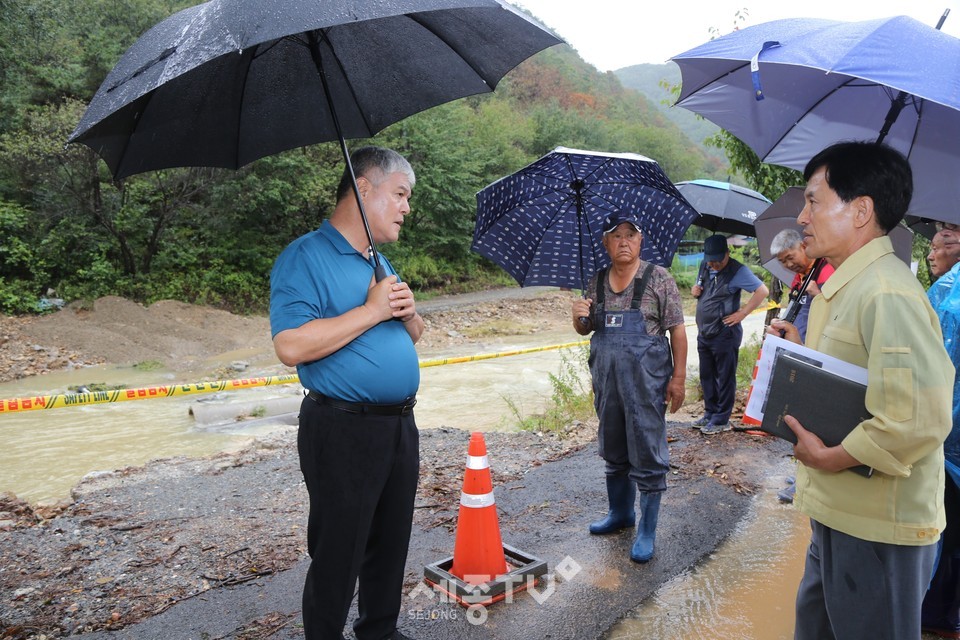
column 612, row 34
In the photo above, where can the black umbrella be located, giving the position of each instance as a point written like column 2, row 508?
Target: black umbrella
column 227, row 82
column 723, row 206
column 922, row 226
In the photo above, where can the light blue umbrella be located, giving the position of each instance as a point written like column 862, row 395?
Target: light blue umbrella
column 789, row 88
column 544, row 223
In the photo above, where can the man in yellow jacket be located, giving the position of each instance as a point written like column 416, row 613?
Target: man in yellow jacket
column 872, row 547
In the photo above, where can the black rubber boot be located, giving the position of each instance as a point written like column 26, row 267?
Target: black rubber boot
column 621, row 493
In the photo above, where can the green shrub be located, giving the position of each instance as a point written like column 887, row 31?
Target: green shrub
column 571, row 399
column 748, row 358
column 16, row 298
column 421, row 272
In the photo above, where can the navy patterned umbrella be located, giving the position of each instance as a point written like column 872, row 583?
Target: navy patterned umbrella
column 544, row 223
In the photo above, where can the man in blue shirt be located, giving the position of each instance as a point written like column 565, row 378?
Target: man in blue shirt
column 352, row 341
column 719, row 331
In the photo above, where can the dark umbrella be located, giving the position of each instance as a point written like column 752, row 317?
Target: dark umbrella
column 724, row 207
column 921, row 226
column 227, row 82
column 782, row 214
column 790, row 88
column 544, row 223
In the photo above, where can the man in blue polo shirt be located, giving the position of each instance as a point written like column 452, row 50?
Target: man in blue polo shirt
column 352, row 341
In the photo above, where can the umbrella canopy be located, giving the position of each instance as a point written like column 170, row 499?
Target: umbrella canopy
column 782, row 214
column 544, row 223
column 226, row 82
column 790, row 88
column 921, row 226
column 724, row 207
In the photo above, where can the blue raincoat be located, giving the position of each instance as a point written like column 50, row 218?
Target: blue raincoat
column 941, row 606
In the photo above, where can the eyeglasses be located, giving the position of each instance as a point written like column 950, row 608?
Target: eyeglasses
column 947, row 226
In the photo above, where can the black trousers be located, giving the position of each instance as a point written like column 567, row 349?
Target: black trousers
column 719, row 356
column 361, row 473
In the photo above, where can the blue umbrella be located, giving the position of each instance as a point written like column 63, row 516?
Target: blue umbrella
column 724, row 207
column 790, row 88
column 544, row 223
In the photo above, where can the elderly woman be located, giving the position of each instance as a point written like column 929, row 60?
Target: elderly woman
column 788, row 247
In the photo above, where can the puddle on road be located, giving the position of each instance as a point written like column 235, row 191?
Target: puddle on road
column 744, row 591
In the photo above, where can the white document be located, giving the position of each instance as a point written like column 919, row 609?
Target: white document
column 772, row 347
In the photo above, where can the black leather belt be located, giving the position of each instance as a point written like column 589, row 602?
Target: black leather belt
column 400, row 409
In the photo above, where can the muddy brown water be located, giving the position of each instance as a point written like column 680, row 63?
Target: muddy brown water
column 44, row 453
column 745, row 590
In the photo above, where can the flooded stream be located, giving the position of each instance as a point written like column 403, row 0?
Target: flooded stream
column 744, row 590
column 44, row 453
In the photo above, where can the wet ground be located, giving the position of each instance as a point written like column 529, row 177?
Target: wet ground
column 214, row 548
column 590, row 585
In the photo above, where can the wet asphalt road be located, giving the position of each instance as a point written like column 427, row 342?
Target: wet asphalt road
column 591, row 581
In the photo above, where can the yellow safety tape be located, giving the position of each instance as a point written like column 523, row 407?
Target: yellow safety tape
column 35, row 403
column 121, row 395
column 57, row 401
column 502, row 354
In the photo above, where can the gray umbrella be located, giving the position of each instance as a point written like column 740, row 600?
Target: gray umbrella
column 724, row 207
column 782, row 214
column 227, row 82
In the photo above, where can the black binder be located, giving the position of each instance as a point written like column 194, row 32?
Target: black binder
column 825, row 403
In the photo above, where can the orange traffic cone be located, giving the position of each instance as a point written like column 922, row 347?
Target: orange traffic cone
column 478, row 552
column 479, row 573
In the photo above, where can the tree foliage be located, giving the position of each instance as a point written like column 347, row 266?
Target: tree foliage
column 210, row 235
column 769, row 179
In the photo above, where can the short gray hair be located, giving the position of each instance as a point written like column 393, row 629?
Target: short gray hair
column 786, row 239
column 374, row 163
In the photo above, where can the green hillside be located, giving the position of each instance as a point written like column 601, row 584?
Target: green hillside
column 648, row 80
column 210, row 235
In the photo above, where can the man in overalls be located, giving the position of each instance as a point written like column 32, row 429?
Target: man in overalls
column 636, row 374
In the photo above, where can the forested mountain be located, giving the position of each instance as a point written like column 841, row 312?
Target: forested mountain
column 210, row 235
column 654, row 82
